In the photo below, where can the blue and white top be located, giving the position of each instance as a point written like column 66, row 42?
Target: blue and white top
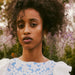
column 17, row 67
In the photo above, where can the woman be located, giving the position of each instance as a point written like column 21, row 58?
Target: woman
column 32, row 19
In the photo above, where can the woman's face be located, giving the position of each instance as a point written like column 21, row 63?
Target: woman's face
column 29, row 28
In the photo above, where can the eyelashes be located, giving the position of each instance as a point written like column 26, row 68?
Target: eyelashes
column 33, row 24
column 22, row 25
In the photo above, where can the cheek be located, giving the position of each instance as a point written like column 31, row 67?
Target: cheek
column 38, row 32
column 19, row 34
column 40, row 29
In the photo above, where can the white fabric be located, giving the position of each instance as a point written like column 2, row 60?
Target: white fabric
column 3, row 62
column 3, row 65
column 60, row 68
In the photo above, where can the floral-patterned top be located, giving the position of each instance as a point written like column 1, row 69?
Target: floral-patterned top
column 18, row 67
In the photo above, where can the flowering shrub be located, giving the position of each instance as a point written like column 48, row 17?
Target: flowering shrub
column 67, row 35
column 6, row 39
column 61, row 39
column 62, row 44
column 69, row 57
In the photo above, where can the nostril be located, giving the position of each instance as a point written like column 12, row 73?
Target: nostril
column 26, row 33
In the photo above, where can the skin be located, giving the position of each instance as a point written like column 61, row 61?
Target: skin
column 30, row 24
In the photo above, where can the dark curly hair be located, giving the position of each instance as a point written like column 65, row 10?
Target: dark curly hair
column 51, row 12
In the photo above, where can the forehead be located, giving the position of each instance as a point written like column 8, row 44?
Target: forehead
column 29, row 13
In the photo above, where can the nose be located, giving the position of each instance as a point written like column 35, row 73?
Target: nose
column 26, row 29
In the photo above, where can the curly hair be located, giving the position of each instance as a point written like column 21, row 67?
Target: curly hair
column 51, row 12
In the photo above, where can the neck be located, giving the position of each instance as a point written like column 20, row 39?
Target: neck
column 33, row 55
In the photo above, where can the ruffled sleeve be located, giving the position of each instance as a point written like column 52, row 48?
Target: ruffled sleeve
column 62, row 68
column 3, row 65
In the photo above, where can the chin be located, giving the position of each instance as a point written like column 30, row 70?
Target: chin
column 27, row 47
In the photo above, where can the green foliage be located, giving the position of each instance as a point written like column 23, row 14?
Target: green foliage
column 15, row 51
column 69, row 57
column 1, row 3
column 1, row 54
column 49, row 51
column 65, row 1
column 68, row 51
column 1, row 32
column 46, row 52
column 53, row 53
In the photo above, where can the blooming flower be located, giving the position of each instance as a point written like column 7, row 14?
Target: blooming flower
column 7, row 39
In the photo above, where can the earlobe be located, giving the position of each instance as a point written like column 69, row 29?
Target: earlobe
column 44, row 33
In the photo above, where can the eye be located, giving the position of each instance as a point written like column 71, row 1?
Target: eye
column 33, row 24
column 20, row 26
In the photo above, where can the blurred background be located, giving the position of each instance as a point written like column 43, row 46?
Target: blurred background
column 60, row 47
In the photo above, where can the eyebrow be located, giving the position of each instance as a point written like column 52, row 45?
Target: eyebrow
column 33, row 19
column 21, row 20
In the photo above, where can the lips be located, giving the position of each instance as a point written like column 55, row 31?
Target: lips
column 27, row 40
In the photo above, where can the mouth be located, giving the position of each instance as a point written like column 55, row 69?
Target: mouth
column 27, row 40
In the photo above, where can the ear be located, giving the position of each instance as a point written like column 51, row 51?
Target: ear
column 45, row 33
